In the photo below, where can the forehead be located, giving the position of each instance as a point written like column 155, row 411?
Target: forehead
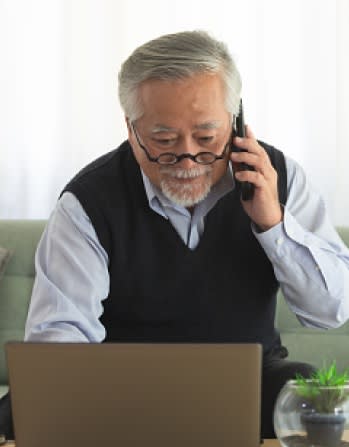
column 200, row 96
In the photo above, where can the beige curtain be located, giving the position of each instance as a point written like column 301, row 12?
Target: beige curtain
column 59, row 63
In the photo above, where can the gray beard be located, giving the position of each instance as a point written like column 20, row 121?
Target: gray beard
column 186, row 195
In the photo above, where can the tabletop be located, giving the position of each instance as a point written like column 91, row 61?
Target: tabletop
column 267, row 443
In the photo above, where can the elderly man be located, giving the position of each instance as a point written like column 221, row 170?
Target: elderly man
column 152, row 241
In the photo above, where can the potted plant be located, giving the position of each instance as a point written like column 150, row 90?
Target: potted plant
column 324, row 393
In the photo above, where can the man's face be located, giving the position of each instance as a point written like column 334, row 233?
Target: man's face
column 182, row 116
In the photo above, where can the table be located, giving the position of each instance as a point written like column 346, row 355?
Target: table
column 267, row 443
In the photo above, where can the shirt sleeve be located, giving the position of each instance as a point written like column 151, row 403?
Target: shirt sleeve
column 310, row 260
column 67, row 296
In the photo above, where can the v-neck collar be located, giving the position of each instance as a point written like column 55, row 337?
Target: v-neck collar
column 189, row 226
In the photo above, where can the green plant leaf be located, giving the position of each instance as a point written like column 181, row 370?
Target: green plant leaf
column 325, row 390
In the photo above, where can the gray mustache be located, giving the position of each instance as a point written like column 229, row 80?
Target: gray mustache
column 186, row 173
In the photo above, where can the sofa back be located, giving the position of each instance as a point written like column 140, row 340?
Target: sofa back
column 22, row 237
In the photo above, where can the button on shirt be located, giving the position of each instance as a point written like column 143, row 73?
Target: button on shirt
column 309, row 259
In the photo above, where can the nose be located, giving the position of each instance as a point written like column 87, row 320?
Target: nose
column 186, row 163
column 188, row 147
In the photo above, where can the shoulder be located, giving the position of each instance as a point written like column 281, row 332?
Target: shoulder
column 104, row 189
column 103, row 165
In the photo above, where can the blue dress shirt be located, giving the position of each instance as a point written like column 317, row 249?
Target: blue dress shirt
column 310, row 261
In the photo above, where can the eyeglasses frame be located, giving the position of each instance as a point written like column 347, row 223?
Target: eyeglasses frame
column 178, row 158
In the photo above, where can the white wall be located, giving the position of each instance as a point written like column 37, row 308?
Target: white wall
column 58, row 84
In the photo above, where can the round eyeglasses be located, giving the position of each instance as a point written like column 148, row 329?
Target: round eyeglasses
column 169, row 158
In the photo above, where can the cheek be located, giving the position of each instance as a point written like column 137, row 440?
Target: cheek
column 151, row 170
column 219, row 169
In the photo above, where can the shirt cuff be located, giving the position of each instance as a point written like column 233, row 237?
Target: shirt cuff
column 280, row 239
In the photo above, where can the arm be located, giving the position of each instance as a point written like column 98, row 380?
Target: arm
column 71, row 279
column 309, row 259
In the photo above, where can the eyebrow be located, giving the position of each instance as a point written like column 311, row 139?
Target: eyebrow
column 206, row 125
column 161, row 128
column 209, row 125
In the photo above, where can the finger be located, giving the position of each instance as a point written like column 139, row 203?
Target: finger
column 259, row 181
column 251, row 176
column 248, row 144
column 245, row 157
column 258, row 162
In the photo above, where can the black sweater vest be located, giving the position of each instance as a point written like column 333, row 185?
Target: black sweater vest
column 160, row 290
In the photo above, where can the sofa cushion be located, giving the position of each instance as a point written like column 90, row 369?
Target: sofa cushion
column 316, row 346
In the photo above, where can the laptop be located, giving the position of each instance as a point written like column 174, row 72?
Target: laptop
column 125, row 394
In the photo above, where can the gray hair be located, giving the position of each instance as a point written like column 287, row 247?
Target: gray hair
column 177, row 56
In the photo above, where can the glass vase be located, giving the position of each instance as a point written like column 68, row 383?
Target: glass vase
column 321, row 420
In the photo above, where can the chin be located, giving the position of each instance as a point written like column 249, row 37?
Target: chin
column 186, row 195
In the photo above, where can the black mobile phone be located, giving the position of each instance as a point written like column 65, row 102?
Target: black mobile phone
column 246, row 188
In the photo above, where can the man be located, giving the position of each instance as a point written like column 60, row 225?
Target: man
column 152, row 241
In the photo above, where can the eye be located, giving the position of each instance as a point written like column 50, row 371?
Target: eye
column 206, row 139
column 166, row 141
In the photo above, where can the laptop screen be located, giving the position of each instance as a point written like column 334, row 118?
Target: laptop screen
column 133, row 394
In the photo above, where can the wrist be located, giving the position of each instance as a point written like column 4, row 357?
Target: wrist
column 262, row 227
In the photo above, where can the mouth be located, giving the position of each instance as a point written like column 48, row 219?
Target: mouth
column 187, row 180
column 186, row 187
column 186, row 175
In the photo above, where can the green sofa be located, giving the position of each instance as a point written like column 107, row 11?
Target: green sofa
column 21, row 236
